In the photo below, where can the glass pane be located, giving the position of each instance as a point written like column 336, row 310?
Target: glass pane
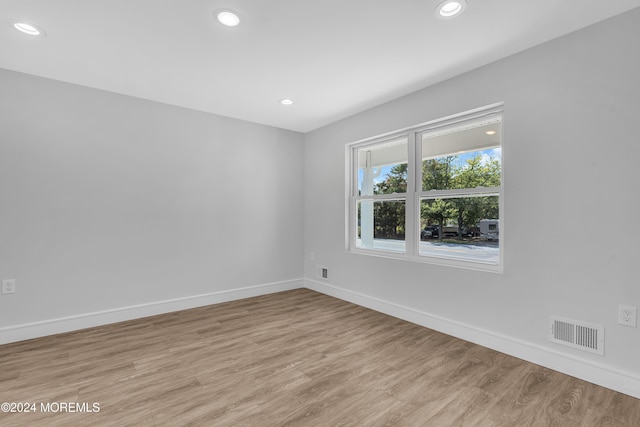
column 381, row 225
column 382, row 168
column 461, row 228
column 467, row 158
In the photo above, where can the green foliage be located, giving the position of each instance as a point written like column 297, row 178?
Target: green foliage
column 477, row 173
column 389, row 219
column 395, row 182
column 440, row 174
column 438, row 211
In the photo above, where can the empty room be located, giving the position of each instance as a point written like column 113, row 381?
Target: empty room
column 332, row 213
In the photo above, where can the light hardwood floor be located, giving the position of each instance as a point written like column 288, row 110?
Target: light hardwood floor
column 295, row 358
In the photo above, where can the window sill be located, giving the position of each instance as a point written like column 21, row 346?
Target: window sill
column 475, row 265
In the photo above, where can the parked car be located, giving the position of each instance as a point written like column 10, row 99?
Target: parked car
column 430, row 231
column 433, row 232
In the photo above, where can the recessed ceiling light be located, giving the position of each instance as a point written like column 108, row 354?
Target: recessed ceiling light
column 228, row 18
column 30, row 29
column 450, row 8
column 490, row 132
column 286, row 101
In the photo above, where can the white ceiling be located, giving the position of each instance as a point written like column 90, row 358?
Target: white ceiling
column 333, row 57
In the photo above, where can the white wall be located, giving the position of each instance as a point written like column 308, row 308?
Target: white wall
column 572, row 205
column 108, row 202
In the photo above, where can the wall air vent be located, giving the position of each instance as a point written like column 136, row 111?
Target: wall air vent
column 576, row 334
column 322, row 272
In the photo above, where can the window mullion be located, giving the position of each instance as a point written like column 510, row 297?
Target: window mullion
column 417, row 182
column 410, row 223
column 352, row 195
column 442, row 194
column 383, row 197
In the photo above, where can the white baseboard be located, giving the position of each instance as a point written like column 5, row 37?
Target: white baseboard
column 605, row 376
column 89, row 320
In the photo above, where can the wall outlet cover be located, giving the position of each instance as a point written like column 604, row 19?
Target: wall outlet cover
column 9, row 286
column 627, row 315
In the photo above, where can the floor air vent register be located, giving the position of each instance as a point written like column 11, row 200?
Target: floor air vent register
column 572, row 333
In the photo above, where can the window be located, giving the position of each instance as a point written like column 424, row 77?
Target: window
column 431, row 193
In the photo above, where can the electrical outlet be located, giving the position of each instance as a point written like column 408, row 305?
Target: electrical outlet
column 9, row 286
column 627, row 315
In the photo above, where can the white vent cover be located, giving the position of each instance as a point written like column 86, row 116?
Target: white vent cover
column 576, row 334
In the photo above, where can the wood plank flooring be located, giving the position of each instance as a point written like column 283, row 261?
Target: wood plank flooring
column 295, row 358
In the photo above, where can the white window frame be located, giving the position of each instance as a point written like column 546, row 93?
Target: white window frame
column 414, row 192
